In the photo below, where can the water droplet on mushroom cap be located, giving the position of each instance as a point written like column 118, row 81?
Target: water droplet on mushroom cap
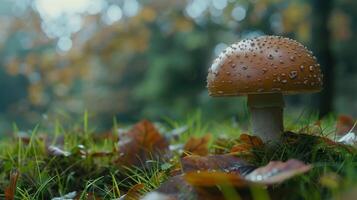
column 293, row 74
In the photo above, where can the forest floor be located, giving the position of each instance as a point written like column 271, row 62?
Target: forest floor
column 194, row 159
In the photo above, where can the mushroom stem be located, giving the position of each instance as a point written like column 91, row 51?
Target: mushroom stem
column 267, row 115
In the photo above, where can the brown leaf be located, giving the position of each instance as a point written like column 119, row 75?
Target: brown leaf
column 197, row 146
column 277, row 171
column 344, row 124
column 222, row 145
column 250, row 139
column 273, row 173
column 242, row 148
column 133, row 193
column 141, row 143
column 246, row 143
column 211, row 178
column 11, row 189
column 224, row 163
column 176, row 188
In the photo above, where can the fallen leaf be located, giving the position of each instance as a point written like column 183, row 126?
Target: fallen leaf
column 213, row 178
column 223, row 163
column 141, row 143
column 277, row 171
column 250, row 139
column 274, row 172
column 222, row 145
column 344, row 124
column 246, row 143
column 11, row 189
column 176, row 188
column 201, row 178
column 197, row 146
column 133, row 193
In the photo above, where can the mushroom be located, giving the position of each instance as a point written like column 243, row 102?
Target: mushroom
column 265, row 68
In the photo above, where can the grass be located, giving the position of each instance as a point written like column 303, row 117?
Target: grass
column 44, row 176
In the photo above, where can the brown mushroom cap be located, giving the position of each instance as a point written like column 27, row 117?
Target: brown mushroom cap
column 266, row 64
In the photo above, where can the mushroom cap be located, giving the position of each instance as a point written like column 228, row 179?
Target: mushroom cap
column 265, row 64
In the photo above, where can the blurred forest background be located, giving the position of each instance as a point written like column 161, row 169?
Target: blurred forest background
column 134, row 59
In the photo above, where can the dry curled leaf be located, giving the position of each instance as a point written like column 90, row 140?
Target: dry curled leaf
column 11, row 189
column 197, row 146
column 222, row 145
column 133, row 193
column 273, row 173
column 250, row 139
column 141, row 143
column 223, row 163
column 177, row 187
column 203, row 174
column 246, row 143
column 277, row 171
column 345, row 124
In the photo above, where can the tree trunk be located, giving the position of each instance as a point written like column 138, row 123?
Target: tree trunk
column 321, row 45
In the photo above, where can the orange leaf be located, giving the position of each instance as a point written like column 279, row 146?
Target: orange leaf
column 210, row 179
column 252, row 140
column 11, row 189
column 241, row 148
column 344, row 124
column 222, row 145
column 197, row 146
column 246, row 144
column 141, row 143
column 134, row 192
column 225, row 163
